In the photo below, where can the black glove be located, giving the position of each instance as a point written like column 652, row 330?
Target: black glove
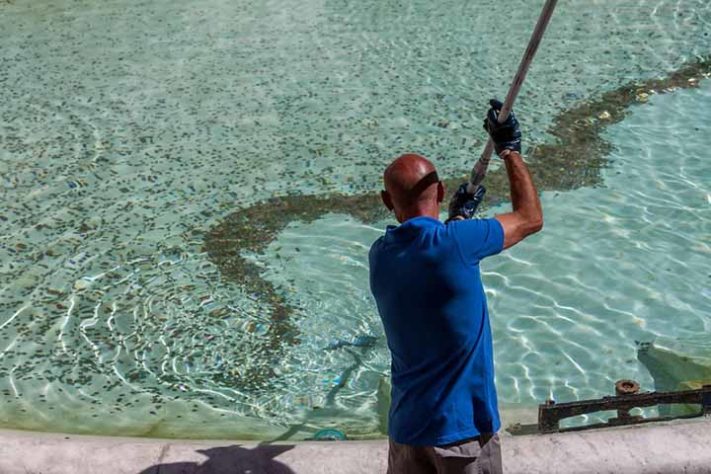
column 464, row 204
column 507, row 135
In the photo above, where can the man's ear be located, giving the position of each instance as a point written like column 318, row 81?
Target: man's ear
column 440, row 191
column 387, row 200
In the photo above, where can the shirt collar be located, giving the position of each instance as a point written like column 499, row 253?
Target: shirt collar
column 412, row 224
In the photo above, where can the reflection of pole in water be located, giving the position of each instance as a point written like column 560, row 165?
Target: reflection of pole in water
column 331, row 397
column 364, row 343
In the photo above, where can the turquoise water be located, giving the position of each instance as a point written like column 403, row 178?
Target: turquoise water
column 130, row 129
column 623, row 263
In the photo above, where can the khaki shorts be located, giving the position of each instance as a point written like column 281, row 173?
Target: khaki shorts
column 480, row 455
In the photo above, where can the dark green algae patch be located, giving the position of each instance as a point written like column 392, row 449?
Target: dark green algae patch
column 574, row 160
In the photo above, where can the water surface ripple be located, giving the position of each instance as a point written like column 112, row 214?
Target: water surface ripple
column 130, row 129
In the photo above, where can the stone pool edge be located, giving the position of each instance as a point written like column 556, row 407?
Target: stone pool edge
column 676, row 446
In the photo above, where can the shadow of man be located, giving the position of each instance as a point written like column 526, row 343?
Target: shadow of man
column 230, row 460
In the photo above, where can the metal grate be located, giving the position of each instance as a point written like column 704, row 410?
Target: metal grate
column 550, row 413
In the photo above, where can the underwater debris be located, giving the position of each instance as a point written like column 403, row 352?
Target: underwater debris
column 574, row 160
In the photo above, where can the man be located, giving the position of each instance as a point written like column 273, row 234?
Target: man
column 425, row 277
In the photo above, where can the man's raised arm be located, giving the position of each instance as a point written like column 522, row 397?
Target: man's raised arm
column 527, row 216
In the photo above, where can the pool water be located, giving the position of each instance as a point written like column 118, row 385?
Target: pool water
column 129, row 130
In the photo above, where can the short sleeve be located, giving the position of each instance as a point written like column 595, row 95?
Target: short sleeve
column 478, row 238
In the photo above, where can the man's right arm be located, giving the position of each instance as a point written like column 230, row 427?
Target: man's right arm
column 527, row 216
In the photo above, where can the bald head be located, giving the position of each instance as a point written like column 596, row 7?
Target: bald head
column 412, row 187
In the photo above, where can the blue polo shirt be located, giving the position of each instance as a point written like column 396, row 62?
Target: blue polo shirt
column 426, row 282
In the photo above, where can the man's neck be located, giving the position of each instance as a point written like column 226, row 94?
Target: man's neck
column 408, row 214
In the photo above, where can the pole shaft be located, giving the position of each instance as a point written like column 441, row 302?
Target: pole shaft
column 479, row 170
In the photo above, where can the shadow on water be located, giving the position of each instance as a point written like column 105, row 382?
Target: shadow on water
column 230, row 460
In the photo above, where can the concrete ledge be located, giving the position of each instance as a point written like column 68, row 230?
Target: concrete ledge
column 659, row 448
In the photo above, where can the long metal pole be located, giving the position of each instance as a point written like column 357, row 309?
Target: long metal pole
column 479, row 170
